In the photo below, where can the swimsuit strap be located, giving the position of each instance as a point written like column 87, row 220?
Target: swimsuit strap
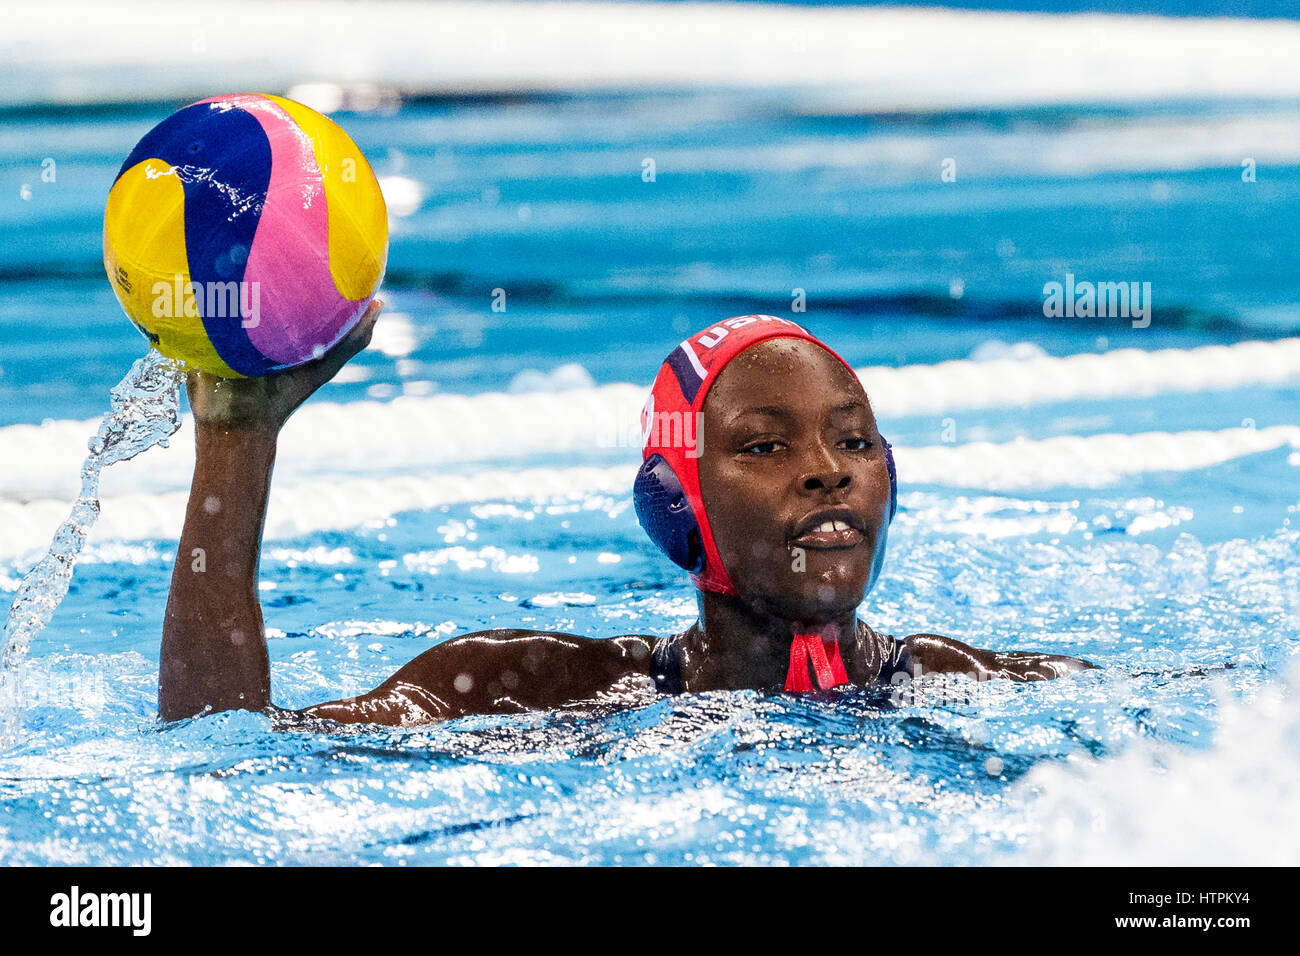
column 666, row 664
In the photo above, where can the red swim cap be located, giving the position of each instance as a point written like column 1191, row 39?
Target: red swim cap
column 667, row 492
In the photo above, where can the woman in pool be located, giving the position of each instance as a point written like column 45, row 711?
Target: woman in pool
column 781, row 517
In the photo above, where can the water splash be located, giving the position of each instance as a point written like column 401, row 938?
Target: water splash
column 145, row 411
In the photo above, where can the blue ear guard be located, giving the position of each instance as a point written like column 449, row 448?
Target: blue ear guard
column 666, row 515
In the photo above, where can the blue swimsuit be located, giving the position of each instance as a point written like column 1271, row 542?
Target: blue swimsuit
column 666, row 660
column 666, row 664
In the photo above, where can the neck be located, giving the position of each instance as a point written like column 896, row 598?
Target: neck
column 733, row 646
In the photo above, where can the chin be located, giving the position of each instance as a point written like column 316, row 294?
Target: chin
column 825, row 591
column 841, row 572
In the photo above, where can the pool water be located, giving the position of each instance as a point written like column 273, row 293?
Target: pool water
column 451, row 481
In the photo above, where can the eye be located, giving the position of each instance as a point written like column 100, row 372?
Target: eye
column 857, row 444
column 762, row 447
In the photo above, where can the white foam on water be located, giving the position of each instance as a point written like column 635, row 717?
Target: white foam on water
column 1160, row 805
column 877, row 58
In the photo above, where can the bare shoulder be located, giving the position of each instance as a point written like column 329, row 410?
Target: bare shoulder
column 504, row 670
column 934, row 653
column 536, row 647
column 545, row 667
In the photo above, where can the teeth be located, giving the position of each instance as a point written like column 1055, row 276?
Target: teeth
column 831, row 526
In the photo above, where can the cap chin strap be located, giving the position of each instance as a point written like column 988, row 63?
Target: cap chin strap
column 825, row 659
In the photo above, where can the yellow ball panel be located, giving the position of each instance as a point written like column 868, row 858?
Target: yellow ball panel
column 358, row 217
column 145, row 223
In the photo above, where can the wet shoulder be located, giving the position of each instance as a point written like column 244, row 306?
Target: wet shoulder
column 627, row 653
column 883, row 654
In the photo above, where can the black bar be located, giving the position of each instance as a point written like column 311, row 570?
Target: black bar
column 300, row 906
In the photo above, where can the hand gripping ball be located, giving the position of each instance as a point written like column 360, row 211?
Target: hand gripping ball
column 245, row 234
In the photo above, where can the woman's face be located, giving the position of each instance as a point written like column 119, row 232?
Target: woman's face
column 790, row 444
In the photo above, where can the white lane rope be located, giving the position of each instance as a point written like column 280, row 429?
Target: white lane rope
column 888, row 59
column 302, row 507
column 410, row 433
column 1095, row 461
column 305, row 507
column 1123, row 373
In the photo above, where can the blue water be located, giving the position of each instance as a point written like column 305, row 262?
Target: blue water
column 1181, row 583
column 754, row 196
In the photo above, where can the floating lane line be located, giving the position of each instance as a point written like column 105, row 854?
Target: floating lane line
column 303, row 507
column 410, row 433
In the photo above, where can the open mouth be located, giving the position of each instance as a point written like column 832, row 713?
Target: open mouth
column 828, row 532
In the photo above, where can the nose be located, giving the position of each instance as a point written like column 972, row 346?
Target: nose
column 825, row 472
column 834, row 481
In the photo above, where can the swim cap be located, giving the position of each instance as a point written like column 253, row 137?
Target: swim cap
column 666, row 494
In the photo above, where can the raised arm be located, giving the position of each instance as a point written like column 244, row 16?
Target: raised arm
column 931, row 654
column 213, row 648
